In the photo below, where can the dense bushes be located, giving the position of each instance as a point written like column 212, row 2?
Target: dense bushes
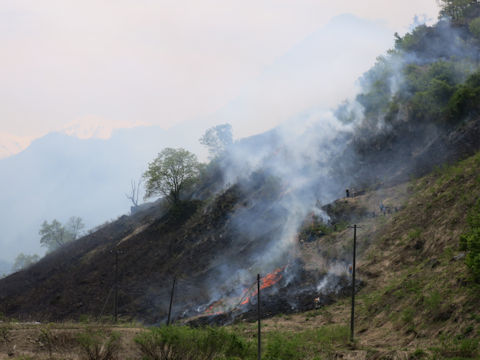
column 466, row 100
column 99, row 344
column 181, row 342
column 420, row 83
column 470, row 242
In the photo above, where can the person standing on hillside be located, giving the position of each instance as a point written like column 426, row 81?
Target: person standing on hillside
column 382, row 208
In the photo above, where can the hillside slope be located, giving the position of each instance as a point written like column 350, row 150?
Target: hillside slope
column 197, row 242
column 420, row 300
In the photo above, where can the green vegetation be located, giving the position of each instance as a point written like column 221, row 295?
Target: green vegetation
column 465, row 100
column 420, row 83
column 314, row 230
column 99, row 344
column 457, row 10
column 474, row 27
column 470, row 241
column 217, row 139
column 308, row 344
column 171, row 173
column 180, row 342
column 23, row 261
column 54, row 235
column 5, row 331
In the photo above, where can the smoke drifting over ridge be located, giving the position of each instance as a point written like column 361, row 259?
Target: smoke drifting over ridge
column 285, row 175
column 309, row 161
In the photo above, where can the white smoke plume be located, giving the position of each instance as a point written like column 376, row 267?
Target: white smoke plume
column 310, row 160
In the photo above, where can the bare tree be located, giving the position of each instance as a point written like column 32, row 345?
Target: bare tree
column 74, row 226
column 134, row 192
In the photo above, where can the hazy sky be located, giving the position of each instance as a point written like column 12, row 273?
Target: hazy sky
column 159, row 62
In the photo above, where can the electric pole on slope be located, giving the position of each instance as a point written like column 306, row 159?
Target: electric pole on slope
column 171, row 301
column 352, row 315
column 259, row 344
column 115, row 284
column 116, row 288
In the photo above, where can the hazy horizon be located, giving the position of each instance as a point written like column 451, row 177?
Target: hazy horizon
column 101, row 91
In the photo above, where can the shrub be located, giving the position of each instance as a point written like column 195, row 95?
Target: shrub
column 280, row 347
column 99, row 344
column 5, row 333
column 181, row 342
column 470, row 241
column 474, row 27
column 433, row 302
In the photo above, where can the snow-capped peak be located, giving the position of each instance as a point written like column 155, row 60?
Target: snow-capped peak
column 96, row 127
column 12, row 144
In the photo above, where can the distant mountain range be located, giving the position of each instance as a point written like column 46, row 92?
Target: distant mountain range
column 11, row 144
column 59, row 176
column 85, row 170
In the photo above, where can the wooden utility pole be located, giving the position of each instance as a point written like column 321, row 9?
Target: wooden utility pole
column 115, row 284
column 171, row 301
column 115, row 299
column 352, row 316
column 259, row 350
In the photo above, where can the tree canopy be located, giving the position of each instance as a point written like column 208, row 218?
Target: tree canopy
column 456, row 9
column 23, row 261
column 54, row 234
column 217, row 139
column 170, row 173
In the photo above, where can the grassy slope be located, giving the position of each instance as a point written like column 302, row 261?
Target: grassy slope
column 419, row 301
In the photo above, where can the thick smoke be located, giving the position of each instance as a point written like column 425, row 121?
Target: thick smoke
column 295, row 169
column 287, row 175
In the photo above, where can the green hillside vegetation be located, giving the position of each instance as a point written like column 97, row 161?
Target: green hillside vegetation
column 418, row 84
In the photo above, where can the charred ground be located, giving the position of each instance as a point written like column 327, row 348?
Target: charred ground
column 192, row 241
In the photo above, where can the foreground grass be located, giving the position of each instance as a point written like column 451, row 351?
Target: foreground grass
column 234, row 343
column 98, row 341
column 219, row 343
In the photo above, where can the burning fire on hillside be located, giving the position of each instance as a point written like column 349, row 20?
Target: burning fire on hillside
column 286, row 289
column 235, row 303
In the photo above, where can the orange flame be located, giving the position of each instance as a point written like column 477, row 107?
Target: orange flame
column 267, row 281
column 221, row 306
column 213, row 309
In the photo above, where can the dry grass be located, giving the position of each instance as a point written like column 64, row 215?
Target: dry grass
column 60, row 340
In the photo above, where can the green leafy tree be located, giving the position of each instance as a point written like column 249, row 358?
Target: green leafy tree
column 23, row 261
column 172, row 172
column 465, row 101
column 455, row 9
column 54, row 234
column 474, row 27
column 217, row 139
